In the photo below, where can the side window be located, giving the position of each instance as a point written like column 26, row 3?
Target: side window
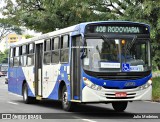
column 30, row 56
column 24, row 49
column 65, row 41
column 47, row 51
column 14, row 52
column 47, row 45
column 23, row 53
column 11, row 58
column 20, row 50
column 31, row 48
column 11, row 52
column 55, row 43
column 55, row 50
column 16, row 57
column 64, row 52
column 20, row 55
column 23, row 60
column 30, row 60
column 17, row 51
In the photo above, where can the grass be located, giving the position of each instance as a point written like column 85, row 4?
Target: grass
column 156, row 89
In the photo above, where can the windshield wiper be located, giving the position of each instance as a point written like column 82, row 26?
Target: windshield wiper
column 105, row 39
column 129, row 46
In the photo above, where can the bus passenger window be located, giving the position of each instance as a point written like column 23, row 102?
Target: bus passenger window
column 11, row 52
column 64, row 52
column 17, row 51
column 16, row 56
column 20, row 55
column 65, row 55
column 11, row 58
column 47, row 58
column 55, row 43
column 24, row 49
column 55, row 48
column 30, row 60
column 65, row 41
column 47, row 45
column 47, row 53
column 31, row 48
column 55, row 56
column 23, row 60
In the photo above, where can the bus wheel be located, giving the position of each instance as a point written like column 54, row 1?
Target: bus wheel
column 26, row 98
column 119, row 106
column 67, row 105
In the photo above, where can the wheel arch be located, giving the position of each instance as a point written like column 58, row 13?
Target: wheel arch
column 61, row 85
column 24, row 81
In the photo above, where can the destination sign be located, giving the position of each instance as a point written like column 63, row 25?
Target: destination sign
column 127, row 29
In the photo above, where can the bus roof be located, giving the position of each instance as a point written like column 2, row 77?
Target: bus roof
column 75, row 28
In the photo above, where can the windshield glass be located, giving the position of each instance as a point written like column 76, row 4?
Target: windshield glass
column 116, row 55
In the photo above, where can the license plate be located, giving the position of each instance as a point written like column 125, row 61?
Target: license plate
column 120, row 94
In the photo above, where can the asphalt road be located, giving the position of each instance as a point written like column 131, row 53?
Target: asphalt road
column 11, row 103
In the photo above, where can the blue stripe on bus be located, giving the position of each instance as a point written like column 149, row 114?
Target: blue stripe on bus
column 115, row 83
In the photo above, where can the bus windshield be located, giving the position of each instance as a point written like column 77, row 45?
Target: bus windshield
column 116, row 55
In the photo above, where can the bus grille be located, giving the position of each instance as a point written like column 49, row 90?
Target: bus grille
column 119, row 77
column 108, row 87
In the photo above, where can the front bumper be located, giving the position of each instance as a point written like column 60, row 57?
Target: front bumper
column 108, row 95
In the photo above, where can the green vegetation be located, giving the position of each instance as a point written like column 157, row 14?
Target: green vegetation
column 156, row 89
column 47, row 15
column 28, row 36
column 7, row 27
column 4, row 57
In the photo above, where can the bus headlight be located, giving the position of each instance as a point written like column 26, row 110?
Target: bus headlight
column 91, row 85
column 146, row 85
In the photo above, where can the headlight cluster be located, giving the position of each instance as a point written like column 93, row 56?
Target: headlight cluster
column 145, row 85
column 91, row 85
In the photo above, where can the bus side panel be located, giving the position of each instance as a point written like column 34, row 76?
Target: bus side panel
column 20, row 78
column 12, row 80
column 28, row 75
column 63, row 76
column 50, row 75
column 16, row 76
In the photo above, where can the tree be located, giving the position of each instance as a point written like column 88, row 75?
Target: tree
column 47, row 15
column 28, row 36
column 6, row 28
column 4, row 57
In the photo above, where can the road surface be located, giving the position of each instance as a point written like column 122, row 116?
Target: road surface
column 11, row 103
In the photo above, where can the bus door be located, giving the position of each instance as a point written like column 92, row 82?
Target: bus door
column 75, row 69
column 38, row 69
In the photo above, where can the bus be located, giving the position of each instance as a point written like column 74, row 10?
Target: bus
column 3, row 69
column 91, row 62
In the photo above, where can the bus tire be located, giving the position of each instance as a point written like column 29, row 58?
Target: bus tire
column 66, row 105
column 119, row 106
column 26, row 98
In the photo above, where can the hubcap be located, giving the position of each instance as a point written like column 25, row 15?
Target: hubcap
column 25, row 94
column 65, row 98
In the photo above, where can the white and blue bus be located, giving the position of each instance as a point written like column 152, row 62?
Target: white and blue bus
column 92, row 62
